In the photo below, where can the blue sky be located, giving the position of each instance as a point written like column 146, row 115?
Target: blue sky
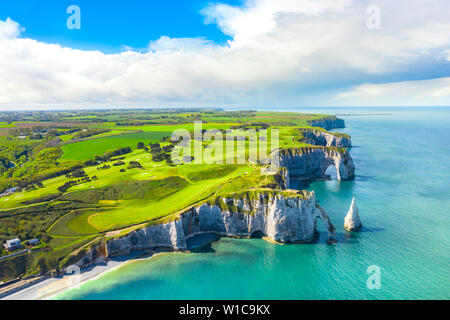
column 107, row 25
column 236, row 53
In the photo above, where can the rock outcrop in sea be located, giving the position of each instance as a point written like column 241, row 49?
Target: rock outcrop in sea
column 352, row 221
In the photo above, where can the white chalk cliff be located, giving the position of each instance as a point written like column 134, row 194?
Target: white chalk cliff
column 285, row 217
column 352, row 221
column 328, row 123
column 313, row 162
column 282, row 216
column 326, row 139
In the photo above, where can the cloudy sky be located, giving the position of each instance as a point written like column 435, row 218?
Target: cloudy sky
column 250, row 53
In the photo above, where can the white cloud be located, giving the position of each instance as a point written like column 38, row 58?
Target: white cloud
column 283, row 53
column 413, row 93
column 9, row 29
column 260, row 17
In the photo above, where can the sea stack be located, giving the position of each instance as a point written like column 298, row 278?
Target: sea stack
column 352, row 222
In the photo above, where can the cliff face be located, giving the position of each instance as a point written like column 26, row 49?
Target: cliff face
column 285, row 217
column 328, row 123
column 312, row 163
column 320, row 138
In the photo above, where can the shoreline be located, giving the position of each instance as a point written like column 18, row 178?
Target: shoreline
column 49, row 288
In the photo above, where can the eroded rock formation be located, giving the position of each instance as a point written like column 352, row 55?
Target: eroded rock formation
column 312, row 162
column 326, row 139
column 352, row 221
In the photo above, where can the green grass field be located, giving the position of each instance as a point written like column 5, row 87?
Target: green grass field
column 6, row 125
column 87, row 149
column 124, row 197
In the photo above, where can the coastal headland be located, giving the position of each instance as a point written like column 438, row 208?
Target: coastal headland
column 114, row 188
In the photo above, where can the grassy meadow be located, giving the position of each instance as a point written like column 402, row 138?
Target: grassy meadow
column 72, row 192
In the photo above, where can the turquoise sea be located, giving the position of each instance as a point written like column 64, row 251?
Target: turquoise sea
column 402, row 189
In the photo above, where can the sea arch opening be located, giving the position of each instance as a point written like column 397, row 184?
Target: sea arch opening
column 331, row 172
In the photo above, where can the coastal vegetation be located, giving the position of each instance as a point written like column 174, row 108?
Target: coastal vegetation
column 69, row 178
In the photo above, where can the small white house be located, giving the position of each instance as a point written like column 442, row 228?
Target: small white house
column 12, row 244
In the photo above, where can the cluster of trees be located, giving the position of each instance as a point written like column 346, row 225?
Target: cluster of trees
column 24, row 182
column 104, row 167
column 114, row 153
column 88, row 132
column 118, row 163
column 20, row 131
column 27, row 165
column 168, row 148
column 67, row 185
column 49, row 131
column 34, row 186
column 134, row 164
column 72, row 183
column 107, row 156
column 17, row 153
column 261, row 125
column 134, row 123
column 78, row 173
column 5, row 164
column 159, row 154
column 117, row 158
column 155, row 148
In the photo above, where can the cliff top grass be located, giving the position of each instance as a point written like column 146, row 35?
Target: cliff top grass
column 123, row 197
column 257, row 193
column 319, row 129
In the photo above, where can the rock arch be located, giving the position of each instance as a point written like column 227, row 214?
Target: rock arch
column 331, row 172
column 312, row 162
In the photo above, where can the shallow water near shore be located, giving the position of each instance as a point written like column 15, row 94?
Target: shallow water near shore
column 402, row 190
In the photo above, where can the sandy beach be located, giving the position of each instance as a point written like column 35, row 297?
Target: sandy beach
column 50, row 287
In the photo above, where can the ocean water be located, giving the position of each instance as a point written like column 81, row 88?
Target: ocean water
column 402, row 189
